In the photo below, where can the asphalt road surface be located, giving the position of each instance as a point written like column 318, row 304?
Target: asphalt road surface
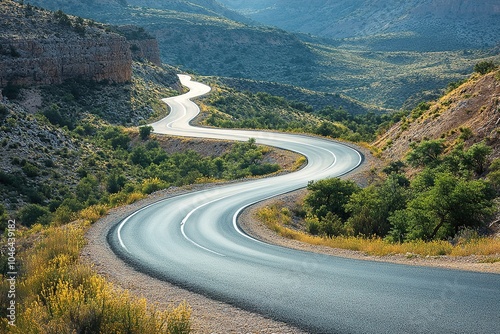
column 194, row 241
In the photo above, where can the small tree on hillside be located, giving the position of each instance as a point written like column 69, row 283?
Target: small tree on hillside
column 484, row 67
column 145, row 131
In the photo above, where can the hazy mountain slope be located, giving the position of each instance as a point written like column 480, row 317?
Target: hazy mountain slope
column 413, row 24
column 469, row 112
column 213, row 45
column 205, row 7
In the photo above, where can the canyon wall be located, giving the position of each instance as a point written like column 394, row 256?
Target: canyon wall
column 35, row 61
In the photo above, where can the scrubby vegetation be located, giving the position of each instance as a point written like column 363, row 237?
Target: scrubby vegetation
column 228, row 108
column 466, row 243
column 448, row 203
column 444, row 192
column 56, row 293
column 121, row 164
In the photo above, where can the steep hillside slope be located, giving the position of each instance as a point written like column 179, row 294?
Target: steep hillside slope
column 316, row 99
column 414, row 25
column 470, row 112
column 205, row 7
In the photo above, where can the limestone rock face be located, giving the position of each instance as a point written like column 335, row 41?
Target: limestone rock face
column 42, row 47
column 146, row 49
column 54, row 60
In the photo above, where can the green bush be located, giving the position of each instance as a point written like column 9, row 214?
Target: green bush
column 33, row 214
column 30, row 169
column 145, row 131
column 485, row 67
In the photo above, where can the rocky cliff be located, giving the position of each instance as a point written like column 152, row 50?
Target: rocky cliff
column 42, row 47
column 143, row 45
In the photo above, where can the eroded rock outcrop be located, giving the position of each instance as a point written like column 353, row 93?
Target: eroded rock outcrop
column 42, row 47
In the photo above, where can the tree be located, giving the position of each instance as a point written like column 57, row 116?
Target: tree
column 371, row 207
column 494, row 175
column 427, row 153
column 115, row 182
column 331, row 225
column 443, row 208
column 476, row 157
column 484, row 67
column 145, row 131
column 330, row 195
column 34, row 213
column 87, row 190
column 140, row 156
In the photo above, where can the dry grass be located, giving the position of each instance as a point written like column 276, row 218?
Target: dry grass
column 276, row 220
column 57, row 294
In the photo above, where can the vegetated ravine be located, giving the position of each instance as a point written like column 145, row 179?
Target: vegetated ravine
column 194, row 241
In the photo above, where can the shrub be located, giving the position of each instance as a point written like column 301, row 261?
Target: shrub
column 4, row 111
column 151, row 185
column 93, row 213
column 145, row 131
column 31, row 170
column 59, row 295
column 484, row 67
column 34, row 213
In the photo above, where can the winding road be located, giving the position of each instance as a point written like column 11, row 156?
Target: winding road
column 193, row 240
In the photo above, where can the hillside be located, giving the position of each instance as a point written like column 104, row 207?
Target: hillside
column 469, row 113
column 205, row 7
column 214, row 45
column 421, row 25
column 316, row 99
column 72, row 142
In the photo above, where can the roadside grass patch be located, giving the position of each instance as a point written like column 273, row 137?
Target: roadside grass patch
column 273, row 217
column 56, row 293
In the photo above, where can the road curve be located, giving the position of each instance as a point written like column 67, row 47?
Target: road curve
column 193, row 240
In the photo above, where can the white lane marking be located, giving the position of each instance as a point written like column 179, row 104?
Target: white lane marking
column 237, row 213
column 118, row 232
column 235, row 216
column 183, row 224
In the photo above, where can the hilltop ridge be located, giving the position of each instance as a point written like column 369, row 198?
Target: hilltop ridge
column 424, row 25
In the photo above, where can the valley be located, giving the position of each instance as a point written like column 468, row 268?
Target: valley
column 212, row 43
column 100, row 159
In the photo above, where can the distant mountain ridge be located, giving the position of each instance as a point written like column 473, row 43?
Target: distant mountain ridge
column 203, row 40
column 421, row 24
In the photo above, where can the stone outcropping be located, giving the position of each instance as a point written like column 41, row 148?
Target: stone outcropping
column 54, row 60
column 146, row 49
column 39, row 47
column 143, row 45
